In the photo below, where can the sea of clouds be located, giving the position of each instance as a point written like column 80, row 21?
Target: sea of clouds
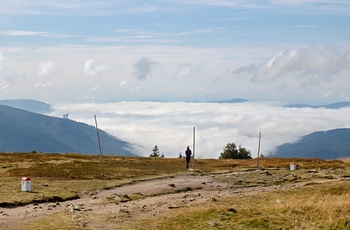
column 170, row 125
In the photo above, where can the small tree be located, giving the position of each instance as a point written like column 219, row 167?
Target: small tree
column 155, row 152
column 232, row 152
column 244, row 153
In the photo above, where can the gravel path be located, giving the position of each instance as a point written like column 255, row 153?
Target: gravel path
column 133, row 202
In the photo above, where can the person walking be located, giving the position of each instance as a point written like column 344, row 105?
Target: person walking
column 188, row 156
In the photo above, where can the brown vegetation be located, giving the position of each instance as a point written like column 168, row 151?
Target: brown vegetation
column 315, row 196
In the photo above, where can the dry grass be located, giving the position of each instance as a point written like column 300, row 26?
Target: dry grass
column 53, row 221
column 320, row 206
column 64, row 176
column 346, row 160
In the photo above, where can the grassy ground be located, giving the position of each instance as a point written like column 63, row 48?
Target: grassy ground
column 318, row 206
column 62, row 176
column 56, row 177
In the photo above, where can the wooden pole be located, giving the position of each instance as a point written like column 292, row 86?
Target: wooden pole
column 313, row 147
column 194, row 144
column 99, row 147
column 257, row 159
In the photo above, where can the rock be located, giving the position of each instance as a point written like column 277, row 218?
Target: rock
column 173, row 206
column 172, row 185
column 73, row 208
column 3, row 213
column 124, row 210
column 50, row 207
column 213, row 199
column 123, row 198
column 278, row 201
column 232, row 210
column 213, row 223
column 81, row 223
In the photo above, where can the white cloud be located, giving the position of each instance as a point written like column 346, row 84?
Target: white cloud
column 312, row 63
column 23, row 33
column 77, row 7
column 186, row 70
column 2, row 60
column 91, row 68
column 143, row 68
column 170, row 125
column 43, row 84
column 306, row 26
column 176, row 73
column 320, row 5
column 8, row 77
column 124, row 7
column 46, row 68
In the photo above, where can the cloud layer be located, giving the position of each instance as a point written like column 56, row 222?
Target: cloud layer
column 170, row 125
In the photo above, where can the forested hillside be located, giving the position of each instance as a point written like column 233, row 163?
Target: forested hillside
column 331, row 144
column 24, row 131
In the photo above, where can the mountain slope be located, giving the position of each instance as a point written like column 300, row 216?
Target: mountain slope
column 24, row 131
column 28, row 105
column 331, row 144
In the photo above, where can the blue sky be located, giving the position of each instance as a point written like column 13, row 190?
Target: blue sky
column 175, row 50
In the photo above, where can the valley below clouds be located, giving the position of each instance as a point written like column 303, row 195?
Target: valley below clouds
column 169, row 125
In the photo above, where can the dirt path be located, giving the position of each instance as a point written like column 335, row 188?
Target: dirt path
column 104, row 209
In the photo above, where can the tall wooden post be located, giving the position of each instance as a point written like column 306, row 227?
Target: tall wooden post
column 99, row 147
column 194, row 144
column 257, row 159
column 313, row 147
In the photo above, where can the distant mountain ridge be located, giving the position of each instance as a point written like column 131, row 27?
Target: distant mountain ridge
column 24, row 131
column 331, row 144
column 234, row 100
column 29, row 105
column 336, row 105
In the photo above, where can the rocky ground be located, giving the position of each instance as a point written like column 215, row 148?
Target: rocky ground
column 105, row 209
